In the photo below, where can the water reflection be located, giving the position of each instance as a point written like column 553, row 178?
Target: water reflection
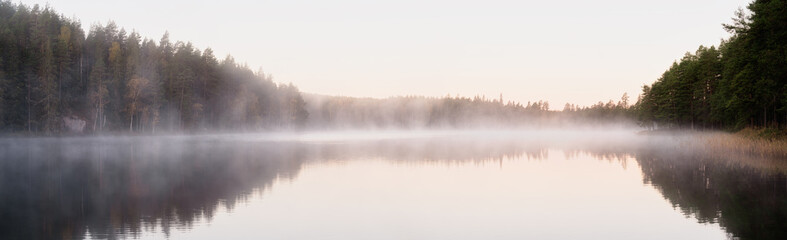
column 58, row 189
column 749, row 202
column 121, row 187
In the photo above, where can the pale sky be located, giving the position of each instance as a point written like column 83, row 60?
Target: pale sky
column 559, row 51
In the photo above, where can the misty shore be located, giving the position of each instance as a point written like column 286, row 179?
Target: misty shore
column 750, row 142
column 763, row 142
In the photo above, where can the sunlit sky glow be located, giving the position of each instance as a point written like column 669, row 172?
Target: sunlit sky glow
column 560, row 51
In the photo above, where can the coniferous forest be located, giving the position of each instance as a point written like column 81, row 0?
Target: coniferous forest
column 741, row 83
column 56, row 78
column 415, row 112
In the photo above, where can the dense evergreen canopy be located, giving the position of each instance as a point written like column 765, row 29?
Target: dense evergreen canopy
column 741, row 83
column 54, row 77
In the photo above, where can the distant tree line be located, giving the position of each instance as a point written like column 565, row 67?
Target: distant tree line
column 420, row 112
column 601, row 112
column 54, row 77
column 454, row 112
column 741, row 83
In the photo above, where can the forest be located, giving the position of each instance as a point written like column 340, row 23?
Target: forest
column 740, row 83
column 417, row 112
column 55, row 79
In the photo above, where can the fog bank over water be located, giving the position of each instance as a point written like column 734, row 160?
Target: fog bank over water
column 120, row 186
column 458, row 112
column 117, row 187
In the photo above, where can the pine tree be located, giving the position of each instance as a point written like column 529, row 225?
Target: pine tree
column 98, row 94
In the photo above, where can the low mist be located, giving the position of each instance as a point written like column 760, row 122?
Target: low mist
column 138, row 182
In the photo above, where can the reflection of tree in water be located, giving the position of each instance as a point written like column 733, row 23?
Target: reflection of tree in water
column 58, row 189
column 749, row 203
column 54, row 191
column 746, row 195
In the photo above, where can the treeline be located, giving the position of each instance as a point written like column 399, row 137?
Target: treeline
column 741, row 83
column 55, row 78
column 610, row 112
column 454, row 112
column 419, row 112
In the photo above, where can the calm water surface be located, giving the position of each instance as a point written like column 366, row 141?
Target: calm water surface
column 390, row 185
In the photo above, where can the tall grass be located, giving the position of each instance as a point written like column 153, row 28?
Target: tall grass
column 755, row 142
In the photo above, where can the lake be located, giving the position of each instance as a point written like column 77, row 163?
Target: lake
column 534, row 184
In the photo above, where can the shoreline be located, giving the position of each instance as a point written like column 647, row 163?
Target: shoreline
column 762, row 142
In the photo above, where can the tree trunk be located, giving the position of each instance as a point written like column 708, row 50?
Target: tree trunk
column 29, row 128
column 95, row 120
column 180, row 116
